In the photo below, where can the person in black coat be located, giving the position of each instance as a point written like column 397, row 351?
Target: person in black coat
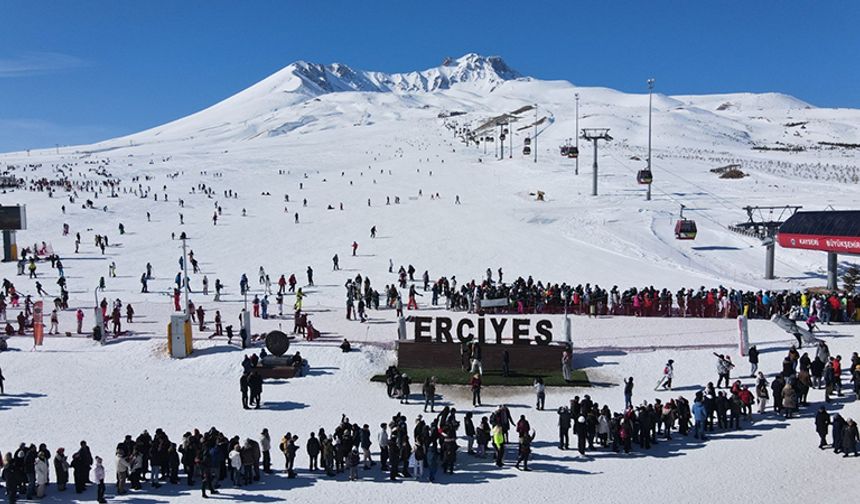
column 255, row 386
column 393, row 456
column 850, row 437
column 313, row 448
column 564, row 419
column 838, row 425
column 173, row 464
column 822, row 423
column 579, row 429
column 753, row 357
column 13, row 474
column 30, row 470
column 243, row 386
column 80, row 472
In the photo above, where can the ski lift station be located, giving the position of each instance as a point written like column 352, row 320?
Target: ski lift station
column 835, row 232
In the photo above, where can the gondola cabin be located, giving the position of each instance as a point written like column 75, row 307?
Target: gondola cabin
column 527, row 141
column 572, row 152
column 685, row 229
column 564, row 149
column 527, row 150
column 644, row 177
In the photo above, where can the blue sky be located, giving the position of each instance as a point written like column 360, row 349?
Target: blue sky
column 81, row 71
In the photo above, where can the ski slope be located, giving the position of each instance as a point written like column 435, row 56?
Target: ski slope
column 332, row 135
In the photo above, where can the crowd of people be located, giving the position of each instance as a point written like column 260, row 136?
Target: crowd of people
column 416, row 449
column 493, row 295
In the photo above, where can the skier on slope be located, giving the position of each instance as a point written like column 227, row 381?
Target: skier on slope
column 668, row 374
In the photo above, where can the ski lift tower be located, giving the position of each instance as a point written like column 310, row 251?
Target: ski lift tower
column 593, row 135
column 764, row 227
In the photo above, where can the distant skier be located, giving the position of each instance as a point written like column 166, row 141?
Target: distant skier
column 310, row 276
column 334, row 262
column 373, row 232
column 354, row 247
column 666, row 379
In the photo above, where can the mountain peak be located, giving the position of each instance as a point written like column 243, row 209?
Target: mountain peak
column 475, row 61
column 472, row 68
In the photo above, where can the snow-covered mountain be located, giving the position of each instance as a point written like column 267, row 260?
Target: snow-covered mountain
column 309, row 97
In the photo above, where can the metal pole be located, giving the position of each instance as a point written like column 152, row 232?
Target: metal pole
column 185, row 272
column 769, row 257
column 832, row 263
column 594, row 180
column 577, row 135
column 535, row 135
column 650, row 89
column 511, row 143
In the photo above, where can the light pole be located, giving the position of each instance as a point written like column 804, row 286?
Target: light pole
column 535, row 135
column 650, row 92
column 576, row 172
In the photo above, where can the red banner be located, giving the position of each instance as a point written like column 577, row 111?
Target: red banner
column 839, row 244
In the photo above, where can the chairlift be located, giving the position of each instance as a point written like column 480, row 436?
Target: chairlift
column 685, row 229
column 644, row 177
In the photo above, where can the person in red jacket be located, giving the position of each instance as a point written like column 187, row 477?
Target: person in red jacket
column 746, row 398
